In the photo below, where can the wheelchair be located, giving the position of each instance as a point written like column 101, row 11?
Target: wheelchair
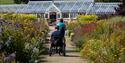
column 57, row 46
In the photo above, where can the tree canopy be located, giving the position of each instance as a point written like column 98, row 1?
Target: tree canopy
column 121, row 9
column 21, row 1
column 107, row 0
column 26, row 1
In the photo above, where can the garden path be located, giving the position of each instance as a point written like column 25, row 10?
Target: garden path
column 72, row 56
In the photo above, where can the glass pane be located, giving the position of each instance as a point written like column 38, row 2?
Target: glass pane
column 46, row 15
column 65, row 15
column 58, row 16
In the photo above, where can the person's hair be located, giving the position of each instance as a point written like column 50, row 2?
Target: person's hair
column 61, row 20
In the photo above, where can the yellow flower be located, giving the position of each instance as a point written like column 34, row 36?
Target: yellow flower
column 122, row 49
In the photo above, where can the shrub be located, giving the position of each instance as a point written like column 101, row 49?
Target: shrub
column 106, row 43
column 87, row 18
column 73, row 25
column 85, row 24
column 23, row 35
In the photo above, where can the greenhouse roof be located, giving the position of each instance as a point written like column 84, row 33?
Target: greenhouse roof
column 10, row 8
column 60, row 6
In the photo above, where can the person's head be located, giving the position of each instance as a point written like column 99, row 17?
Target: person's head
column 61, row 20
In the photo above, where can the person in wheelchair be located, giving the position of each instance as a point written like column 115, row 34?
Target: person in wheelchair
column 62, row 28
column 57, row 40
column 55, row 37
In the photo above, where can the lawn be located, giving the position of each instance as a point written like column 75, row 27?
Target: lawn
column 6, row 2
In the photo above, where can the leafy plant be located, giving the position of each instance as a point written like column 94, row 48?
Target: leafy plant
column 121, row 9
column 87, row 18
column 105, row 43
column 23, row 35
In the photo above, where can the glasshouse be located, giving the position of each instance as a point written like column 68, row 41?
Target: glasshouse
column 61, row 9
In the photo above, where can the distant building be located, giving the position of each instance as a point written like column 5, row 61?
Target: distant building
column 53, row 0
column 67, row 9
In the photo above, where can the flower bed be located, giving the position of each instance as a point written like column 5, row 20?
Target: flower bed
column 87, row 18
column 102, row 41
column 23, row 36
column 85, row 23
column 107, row 42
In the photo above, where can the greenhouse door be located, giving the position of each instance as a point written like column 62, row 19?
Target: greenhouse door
column 52, row 17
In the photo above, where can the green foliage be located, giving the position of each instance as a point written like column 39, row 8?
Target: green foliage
column 21, row 1
column 87, row 18
column 25, row 35
column 25, row 1
column 102, row 41
column 6, row 2
column 72, row 25
column 17, row 1
column 107, row 0
column 106, row 43
column 13, row 1
column 121, row 9
column 84, row 24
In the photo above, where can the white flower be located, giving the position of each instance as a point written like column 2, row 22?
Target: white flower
column 36, row 61
column 35, row 50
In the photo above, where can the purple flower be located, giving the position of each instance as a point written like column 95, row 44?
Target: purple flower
column 9, row 58
column 17, row 25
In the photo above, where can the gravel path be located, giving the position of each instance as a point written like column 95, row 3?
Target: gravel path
column 72, row 56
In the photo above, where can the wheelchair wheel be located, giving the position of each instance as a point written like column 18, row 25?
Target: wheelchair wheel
column 62, row 51
column 50, row 54
column 52, row 51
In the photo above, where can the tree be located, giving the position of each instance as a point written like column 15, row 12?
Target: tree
column 17, row 1
column 25, row 1
column 106, row 0
column 21, row 1
column 121, row 9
